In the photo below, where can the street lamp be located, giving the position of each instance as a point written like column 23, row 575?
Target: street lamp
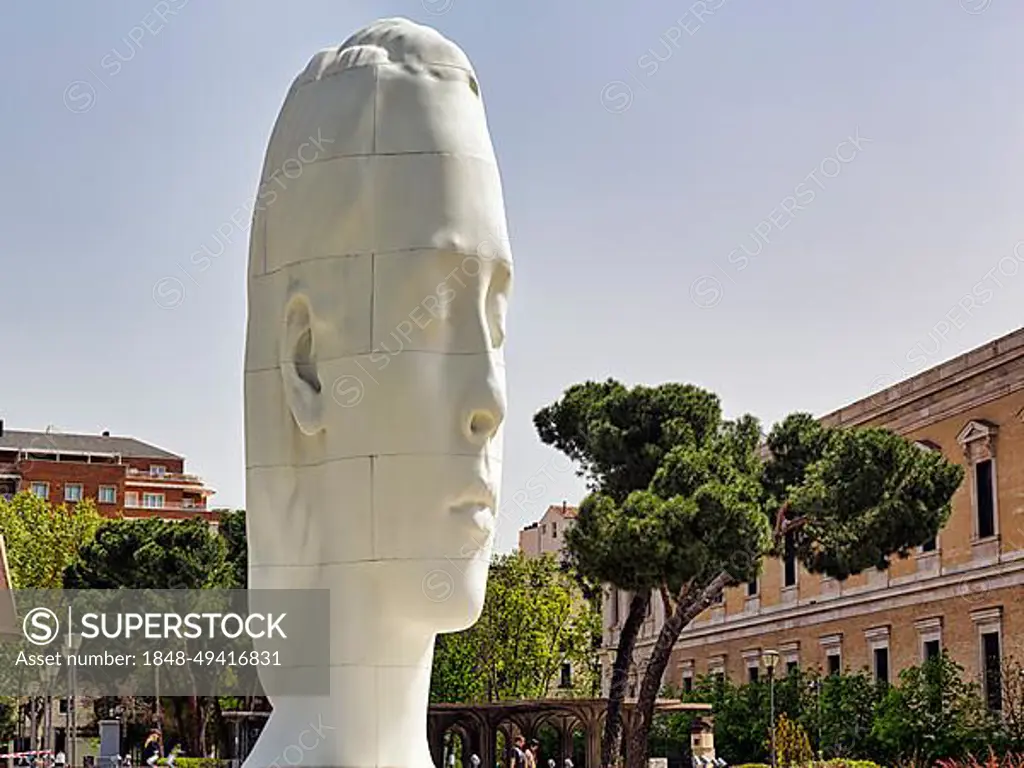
column 770, row 659
column 815, row 686
column 49, row 675
column 73, row 644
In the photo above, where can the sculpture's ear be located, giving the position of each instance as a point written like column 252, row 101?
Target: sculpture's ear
column 302, row 390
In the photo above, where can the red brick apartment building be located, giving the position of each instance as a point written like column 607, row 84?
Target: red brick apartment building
column 121, row 474
column 963, row 592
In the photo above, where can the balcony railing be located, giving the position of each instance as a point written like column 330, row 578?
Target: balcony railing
column 178, row 477
column 167, row 506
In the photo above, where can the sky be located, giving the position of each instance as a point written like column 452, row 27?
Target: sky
column 790, row 203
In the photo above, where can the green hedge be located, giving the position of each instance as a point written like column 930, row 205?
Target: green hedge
column 196, row 762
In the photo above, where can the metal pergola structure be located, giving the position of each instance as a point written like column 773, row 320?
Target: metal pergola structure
column 478, row 726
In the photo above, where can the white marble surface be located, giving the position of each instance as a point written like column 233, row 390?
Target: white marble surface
column 379, row 278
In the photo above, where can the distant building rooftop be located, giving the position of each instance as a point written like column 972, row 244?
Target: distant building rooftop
column 15, row 440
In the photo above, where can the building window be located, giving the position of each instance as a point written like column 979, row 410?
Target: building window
column 984, row 487
column 881, row 665
column 752, row 674
column 72, row 492
column 978, row 439
column 108, row 494
column 566, row 680
column 930, row 546
column 688, row 684
column 832, row 645
column 131, row 498
column 929, row 632
column 554, row 530
column 790, row 561
column 835, row 664
column 752, row 588
column 716, row 668
column 878, row 643
column 792, row 667
column 42, row 490
column 989, row 627
column 157, row 470
column 152, row 500
column 993, row 673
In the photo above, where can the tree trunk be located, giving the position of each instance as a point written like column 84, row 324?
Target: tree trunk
column 686, row 610
column 620, row 677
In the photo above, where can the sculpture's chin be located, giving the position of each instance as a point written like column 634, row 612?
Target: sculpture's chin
column 444, row 595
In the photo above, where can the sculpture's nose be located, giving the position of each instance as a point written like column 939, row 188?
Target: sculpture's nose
column 486, row 407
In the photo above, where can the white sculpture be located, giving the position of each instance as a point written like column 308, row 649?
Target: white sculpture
column 374, row 380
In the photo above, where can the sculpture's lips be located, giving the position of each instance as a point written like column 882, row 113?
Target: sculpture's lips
column 477, row 504
column 480, row 514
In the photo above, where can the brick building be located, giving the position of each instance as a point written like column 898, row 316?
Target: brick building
column 962, row 592
column 121, row 474
column 547, row 535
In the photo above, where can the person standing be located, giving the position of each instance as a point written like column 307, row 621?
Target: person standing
column 152, row 748
column 519, row 753
column 532, row 754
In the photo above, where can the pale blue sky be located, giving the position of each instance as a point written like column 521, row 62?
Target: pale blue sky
column 622, row 220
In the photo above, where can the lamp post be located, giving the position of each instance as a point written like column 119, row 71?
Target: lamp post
column 73, row 644
column 49, row 674
column 815, row 686
column 770, row 659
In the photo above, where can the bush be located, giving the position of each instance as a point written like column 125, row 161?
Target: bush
column 933, row 714
column 196, row 762
column 792, row 747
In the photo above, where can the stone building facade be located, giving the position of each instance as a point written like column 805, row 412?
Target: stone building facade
column 962, row 592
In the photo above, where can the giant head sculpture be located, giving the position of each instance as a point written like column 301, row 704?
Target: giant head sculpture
column 379, row 275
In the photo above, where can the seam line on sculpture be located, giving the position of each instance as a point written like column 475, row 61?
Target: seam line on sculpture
column 358, row 254
column 373, row 517
column 325, row 462
column 367, row 561
column 357, row 355
column 300, row 83
column 489, row 159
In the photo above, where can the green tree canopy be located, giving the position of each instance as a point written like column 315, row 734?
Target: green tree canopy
column 535, row 619
column 151, row 553
column 231, row 526
column 42, row 540
column 684, row 503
